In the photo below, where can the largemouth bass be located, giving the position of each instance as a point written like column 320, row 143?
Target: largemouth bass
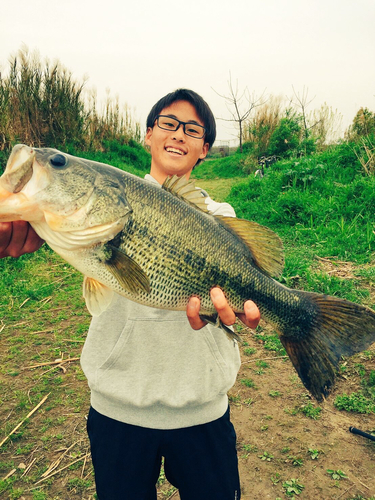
column 159, row 246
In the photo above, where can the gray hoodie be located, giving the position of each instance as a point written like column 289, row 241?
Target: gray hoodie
column 148, row 367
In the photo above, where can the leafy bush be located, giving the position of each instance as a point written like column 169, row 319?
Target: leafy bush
column 355, row 402
column 321, row 198
column 286, row 136
column 363, row 124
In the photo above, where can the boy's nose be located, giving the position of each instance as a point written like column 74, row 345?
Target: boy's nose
column 179, row 134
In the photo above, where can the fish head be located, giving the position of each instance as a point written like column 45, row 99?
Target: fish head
column 68, row 194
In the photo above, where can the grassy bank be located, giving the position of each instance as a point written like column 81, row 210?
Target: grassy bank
column 323, row 208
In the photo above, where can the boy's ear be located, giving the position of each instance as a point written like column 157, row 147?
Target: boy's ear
column 205, row 149
column 148, row 136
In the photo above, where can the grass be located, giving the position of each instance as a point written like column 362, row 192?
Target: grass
column 221, row 187
column 43, row 318
column 229, row 167
column 42, row 105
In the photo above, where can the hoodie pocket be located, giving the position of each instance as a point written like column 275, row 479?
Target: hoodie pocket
column 166, row 362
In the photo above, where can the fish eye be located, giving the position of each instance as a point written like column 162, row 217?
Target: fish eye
column 58, row 160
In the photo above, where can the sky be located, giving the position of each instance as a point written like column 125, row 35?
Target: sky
column 143, row 49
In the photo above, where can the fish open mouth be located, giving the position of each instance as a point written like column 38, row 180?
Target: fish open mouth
column 15, row 205
column 19, row 169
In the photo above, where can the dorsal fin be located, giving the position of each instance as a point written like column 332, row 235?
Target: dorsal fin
column 265, row 246
column 185, row 190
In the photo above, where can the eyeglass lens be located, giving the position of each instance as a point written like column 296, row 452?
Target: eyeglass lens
column 192, row 129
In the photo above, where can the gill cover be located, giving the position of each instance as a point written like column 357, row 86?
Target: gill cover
column 78, row 195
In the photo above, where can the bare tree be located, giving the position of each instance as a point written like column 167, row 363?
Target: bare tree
column 302, row 103
column 239, row 105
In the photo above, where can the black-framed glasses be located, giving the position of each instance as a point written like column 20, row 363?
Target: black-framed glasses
column 191, row 129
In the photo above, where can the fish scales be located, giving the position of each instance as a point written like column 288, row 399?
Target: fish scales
column 178, row 240
column 160, row 246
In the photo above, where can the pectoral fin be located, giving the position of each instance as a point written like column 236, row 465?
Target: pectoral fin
column 97, row 296
column 126, row 271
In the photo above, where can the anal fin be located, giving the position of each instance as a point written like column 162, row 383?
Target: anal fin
column 214, row 319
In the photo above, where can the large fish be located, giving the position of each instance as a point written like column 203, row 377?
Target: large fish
column 161, row 246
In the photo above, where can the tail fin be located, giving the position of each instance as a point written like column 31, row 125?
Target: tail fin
column 339, row 328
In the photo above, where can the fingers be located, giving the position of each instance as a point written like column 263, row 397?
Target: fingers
column 17, row 238
column 33, row 242
column 192, row 312
column 226, row 314
column 5, row 237
column 251, row 315
column 221, row 305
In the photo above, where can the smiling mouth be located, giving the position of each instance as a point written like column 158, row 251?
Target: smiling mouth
column 175, row 151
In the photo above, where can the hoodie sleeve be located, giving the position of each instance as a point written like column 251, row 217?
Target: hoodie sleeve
column 218, row 208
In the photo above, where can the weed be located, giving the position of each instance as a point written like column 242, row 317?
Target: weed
column 23, row 450
column 293, row 487
column 249, row 351
column 296, row 462
column 39, row 495
column 286, row 449
column 78, row 484
column 314, row 454
column 260, row 371
column 311, row 411
column 291, row 411
column 275, row 394
column 354, row 402
column 234, row 399
column 276, row 478
column 337, row 474
column 249, row 448
column 248, row 382
column 249, row 401
column 266, row 456
column 272, row 343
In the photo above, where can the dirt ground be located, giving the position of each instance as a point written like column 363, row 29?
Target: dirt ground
column 268, row 424
column 50, row 458
column 271, row 423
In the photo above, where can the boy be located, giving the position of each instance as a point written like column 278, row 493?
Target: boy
column 159, row 389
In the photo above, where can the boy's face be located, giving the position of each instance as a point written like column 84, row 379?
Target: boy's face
column 175, row 153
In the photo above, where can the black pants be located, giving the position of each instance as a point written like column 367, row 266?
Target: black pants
column 200, row 461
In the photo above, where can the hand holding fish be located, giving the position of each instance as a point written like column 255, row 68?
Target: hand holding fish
column 17, row 238
column 250, row 317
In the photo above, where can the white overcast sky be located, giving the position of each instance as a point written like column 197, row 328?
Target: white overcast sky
column 143, row 49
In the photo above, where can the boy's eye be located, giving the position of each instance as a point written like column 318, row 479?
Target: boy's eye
column 192, row 130
column 168, row 123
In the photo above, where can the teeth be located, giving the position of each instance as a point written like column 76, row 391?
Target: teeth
column 173, row 150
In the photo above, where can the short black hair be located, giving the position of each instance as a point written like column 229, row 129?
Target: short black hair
column 202, row 108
